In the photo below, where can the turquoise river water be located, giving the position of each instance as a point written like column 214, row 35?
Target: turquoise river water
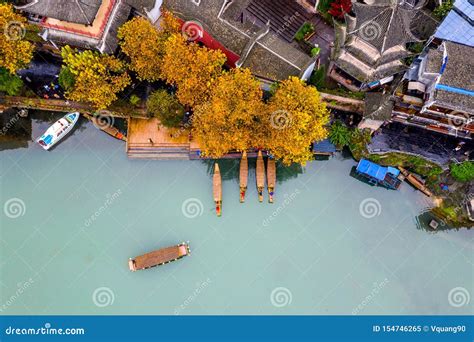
column 330, row 244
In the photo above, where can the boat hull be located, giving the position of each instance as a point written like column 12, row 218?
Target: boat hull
column 58, row 130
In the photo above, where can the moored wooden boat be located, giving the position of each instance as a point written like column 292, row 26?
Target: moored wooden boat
column 415, row 181
column 159, row 257
column 260, row 173
column 271, row 178
column 217, row 189
column 110, row 130
column 243, row 176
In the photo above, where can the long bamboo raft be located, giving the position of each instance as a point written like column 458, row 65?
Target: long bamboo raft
column 159, row 257
column 217, row 189
column 244, row 175
column 260, row 176
column 415, row 181
column 271, row 178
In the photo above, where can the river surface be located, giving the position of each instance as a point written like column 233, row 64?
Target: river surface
column 330, row 244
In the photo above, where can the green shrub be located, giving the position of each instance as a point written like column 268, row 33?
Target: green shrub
column 303, row 31
column 134, row 100
column 315, row 51
column 318, row 78
column 66, row 79
column 166, row 108
column 10, row 83
column 339, row 134
column 463, row 172
column 441, row 11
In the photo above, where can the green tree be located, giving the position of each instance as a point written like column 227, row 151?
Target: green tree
column 463, row 172
column 339, row 134
column 9, row 83
column 166, row 108
column 442, row 10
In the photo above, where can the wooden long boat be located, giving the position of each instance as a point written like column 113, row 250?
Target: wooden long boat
column 110, row 130
column 243, row 176
column 159, row 257
column 415, row 181
column 271, row 178
column 217, row 189
column 260, row 172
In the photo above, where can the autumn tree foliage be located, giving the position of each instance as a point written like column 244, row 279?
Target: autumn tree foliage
column 191, row 68
column 232, row 117
column 97, row 78
column 143, row 43
column 339, row 8
column 15, row 51
column 296, row 118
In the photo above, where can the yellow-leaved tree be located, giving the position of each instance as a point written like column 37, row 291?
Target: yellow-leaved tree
column 97, row 78
column 296, row 118
column 191, row 68
column 231, row 119
column 143, row 43
column 15, row 51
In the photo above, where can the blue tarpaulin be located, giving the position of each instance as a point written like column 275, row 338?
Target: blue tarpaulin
column 374, row 170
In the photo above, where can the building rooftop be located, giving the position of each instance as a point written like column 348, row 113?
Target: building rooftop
column 261, row 48
column 458, row 26
column 373, row 43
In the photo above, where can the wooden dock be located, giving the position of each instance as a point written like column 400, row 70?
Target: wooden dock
column 271, row 178
column 243, row 176
column 159, row 257
column 217, row 189
column 415, row 181
column 260, row 175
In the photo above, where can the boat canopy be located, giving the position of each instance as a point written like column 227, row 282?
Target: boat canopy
column 376, row 171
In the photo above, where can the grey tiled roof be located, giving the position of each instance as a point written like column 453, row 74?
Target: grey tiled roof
column 73, row 11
